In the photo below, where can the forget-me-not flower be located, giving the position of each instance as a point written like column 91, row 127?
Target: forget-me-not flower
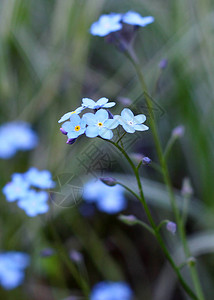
column 69, row 114
column 16, row 136
column 99, row 124
column 134, row 18
column 17, row 188
column 109, row 290
column 39, row 179
column 75, row 127
column 106, row 24
column 130, row 122
column 102, row 102
column 109, row 199
column 12, row 265
column 34, row 203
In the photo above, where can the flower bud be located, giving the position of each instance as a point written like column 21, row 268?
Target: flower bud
column 163, row 64
column 171, row 227
column 76, row 256
column 129, row 220
column 46, row 252
column 63, row 131
column 110, row 181
column 186, row 189
column 70, row 141
column 146, row 161
column 178, row 131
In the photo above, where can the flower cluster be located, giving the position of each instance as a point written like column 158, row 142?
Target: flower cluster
column 109, row 290
column 101, row 122
column 12, row 265
column 15, row 136
column 114, row 22
column 109, row 199
column 22, row 188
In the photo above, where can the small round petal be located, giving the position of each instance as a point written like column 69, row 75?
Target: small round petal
column 102, row 101
column 68, row 126
column 92, row 131
column 109, row 105
column 65, row 117
column 90, row 119
column 101, row 115
column 139, row 119
column 74, row 119
column 106, row 24
column 106, row 133
column 134, row 18
column 128, row 128
column 111, row 123
column 87, row 102
column 127, row 114
column 141, row 127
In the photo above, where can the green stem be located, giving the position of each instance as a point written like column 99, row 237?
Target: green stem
column 152, row 223
column 165, row 172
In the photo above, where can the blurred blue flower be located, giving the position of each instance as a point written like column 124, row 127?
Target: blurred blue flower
column 69, row 114
column 106, row 24
column 75, row 127
column 40, row 179
column 109, row 199
column 99, row 124
column 109, row 290
column 12, row 265
column 171, row 227
column 134, row 18
column 34, row 203
column 16, row 136
column 102, row 102
column 130, row 122
column 17, row 188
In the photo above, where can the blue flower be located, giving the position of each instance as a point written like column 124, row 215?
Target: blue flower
column 109, row 199
column 34, row 203
column 102, row 102
column 16, row 136
column 109, row 290
column 130, row 122
column 39, row 179
column 75, row 127
column 17, row 188
column 99, row 124
column 171, row 227
column 69, row 114
column 106, row 24
column 134, row 18
column 12, row 265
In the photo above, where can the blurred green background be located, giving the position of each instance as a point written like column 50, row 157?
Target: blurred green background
column 48, row 63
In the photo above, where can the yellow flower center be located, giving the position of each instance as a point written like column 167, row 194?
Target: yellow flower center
column 100, row 124
column 73, row 112
column 77, row 128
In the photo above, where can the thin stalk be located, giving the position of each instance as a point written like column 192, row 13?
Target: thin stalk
column 165, row 172
column 152, row 223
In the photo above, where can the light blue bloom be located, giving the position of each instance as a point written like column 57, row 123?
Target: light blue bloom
column 171, row 227
column 16, row 136
column 109, row 199
column 109, row 290
column 134, row 18
column 17, row 188
column 75, row 127
column 40, row 179
column 130, row 122
column 12, row 265
column 106, row 24
column 99, row 124
column 69, row 114
column 102, row 102
column 34, row 203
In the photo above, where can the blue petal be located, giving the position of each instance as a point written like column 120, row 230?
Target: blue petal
column 75, row 119
column 128, row 128
column 108, row 105
column 141, row 127
column 87, row 102
column 102, row 101
column 89, row 118
column 101, row 115
column 127, row 114
column 65, row 117
column 134, row 18
column 106, row 133
column 139, row 119
column 111, row 123
column 68, row 126
column 92, row 131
